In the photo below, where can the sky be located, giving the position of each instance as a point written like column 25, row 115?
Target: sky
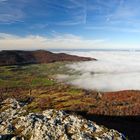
column 69, row 24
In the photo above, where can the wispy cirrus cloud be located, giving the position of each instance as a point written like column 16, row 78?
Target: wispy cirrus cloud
column 115, row 16
column 114, row 29
column 70, row 12
column 126, row 11
column 38, row 26
column 114, row 12
column 12, row 11
column 3, row 1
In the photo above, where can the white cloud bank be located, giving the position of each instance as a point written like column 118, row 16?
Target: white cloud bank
column 58, row 41
column 113, row 71
column 66, row 41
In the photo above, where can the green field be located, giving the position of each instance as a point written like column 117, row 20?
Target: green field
column 30, row 75
column 38, row 82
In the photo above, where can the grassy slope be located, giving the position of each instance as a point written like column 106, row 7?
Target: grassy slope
column 36, row 81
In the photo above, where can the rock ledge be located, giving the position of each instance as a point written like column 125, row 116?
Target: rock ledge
column 17, row 124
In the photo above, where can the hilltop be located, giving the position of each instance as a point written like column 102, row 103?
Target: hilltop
column 16, row 57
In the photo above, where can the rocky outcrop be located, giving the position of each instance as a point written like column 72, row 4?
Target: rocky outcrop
column 17, row 124
column 36, row 57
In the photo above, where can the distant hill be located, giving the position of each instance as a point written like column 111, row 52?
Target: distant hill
column 15, row 57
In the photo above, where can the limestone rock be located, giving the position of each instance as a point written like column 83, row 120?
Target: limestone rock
column 51, row 124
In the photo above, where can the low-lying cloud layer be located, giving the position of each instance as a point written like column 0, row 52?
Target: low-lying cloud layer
column 113, row 71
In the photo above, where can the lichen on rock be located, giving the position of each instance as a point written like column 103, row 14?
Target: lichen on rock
column 49, row 125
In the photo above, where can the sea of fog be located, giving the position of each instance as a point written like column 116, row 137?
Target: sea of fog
column 114, row 71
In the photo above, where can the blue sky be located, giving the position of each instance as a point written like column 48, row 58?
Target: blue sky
column 42, row 24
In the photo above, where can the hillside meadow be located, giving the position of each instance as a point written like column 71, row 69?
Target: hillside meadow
column 37, row 83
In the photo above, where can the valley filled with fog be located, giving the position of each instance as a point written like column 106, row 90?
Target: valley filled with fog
column 114, row 71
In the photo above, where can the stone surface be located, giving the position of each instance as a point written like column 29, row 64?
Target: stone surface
column 51, row 124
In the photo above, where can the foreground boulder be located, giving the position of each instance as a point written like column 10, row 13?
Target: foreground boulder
column 17, row 124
